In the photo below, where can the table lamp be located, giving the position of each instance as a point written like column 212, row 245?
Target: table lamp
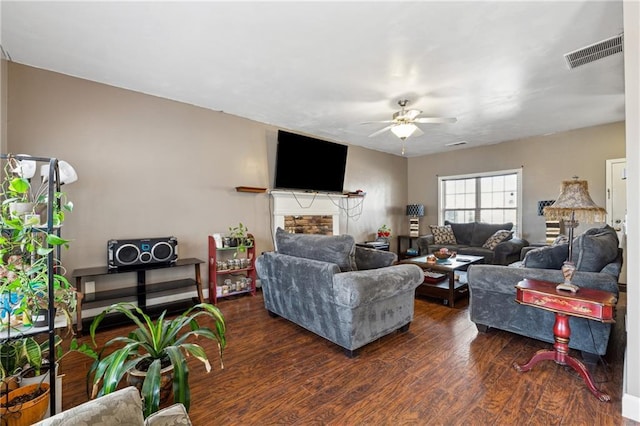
column 573, row 204
column 415, row 212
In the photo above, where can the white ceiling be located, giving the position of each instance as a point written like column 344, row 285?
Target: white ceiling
column 323, row 68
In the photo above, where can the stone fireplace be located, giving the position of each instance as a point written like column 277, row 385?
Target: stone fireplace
column 306, row 213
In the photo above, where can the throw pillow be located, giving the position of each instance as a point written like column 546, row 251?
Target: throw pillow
column 338, row 249
column 442, row 234
column 560, row 239
column 547, row 257
column 482, row 231
column 497, row 238
column 596, row 248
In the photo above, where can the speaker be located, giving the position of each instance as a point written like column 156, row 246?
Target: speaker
column 141, row 251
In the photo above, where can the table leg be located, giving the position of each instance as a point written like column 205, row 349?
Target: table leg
column 452, row 287
column 560, row 354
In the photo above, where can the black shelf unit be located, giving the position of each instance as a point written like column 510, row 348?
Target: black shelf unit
column 53, row 187
column 140, row 292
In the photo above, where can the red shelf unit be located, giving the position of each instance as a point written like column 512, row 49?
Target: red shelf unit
column 217, row 287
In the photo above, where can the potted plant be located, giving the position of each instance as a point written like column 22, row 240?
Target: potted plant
column 23, row 357
column 239, row 238
column 384, row 232
column 152, row 347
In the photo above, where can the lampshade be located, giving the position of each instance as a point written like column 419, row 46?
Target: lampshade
column 404, row 130
column 67, row 172
column 415, row 210
column 574, row 199
column 24, row 168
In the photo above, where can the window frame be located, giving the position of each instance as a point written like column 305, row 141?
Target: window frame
column 517, row 172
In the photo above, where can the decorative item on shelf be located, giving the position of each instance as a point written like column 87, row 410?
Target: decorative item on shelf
column 443, row 255
column 573, row 204
column 384, row 233
column 415, row 212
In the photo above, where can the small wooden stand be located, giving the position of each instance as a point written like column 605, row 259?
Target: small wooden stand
column 586, row 303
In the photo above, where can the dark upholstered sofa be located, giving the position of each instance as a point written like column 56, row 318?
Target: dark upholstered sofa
column 349, row 295
column 469, row 239
column 492, row 290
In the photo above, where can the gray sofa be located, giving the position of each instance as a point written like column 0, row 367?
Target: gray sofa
column 349, row 295
column 492, row 294
column 470, row 239
column 122, row 407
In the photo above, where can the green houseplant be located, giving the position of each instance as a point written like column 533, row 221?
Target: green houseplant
column 239, row 235
column 26, row 246
column 155, row 345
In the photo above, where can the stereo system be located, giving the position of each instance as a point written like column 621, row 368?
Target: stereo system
column 141, row 251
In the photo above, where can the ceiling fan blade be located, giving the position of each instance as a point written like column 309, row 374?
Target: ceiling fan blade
column 435, row 120
column 378, row 122
column 381, row 131
column 412, row 113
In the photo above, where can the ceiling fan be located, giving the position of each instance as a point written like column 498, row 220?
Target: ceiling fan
column 403, row 123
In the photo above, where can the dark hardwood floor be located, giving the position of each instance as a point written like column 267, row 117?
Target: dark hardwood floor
column 441, row 372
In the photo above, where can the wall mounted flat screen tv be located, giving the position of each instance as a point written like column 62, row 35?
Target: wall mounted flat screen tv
column 309, row 164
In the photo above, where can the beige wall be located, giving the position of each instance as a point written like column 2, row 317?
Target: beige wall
column 151, row 167
column 545, row 162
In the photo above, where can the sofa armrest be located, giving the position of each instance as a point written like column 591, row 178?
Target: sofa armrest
column 508, row 248
column 174, row 414
column 368, row 258
column 357, row 288
column 289, row 274
column 424, row 242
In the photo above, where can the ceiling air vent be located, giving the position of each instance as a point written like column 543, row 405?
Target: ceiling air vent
column 593, row 52
column 456, row 143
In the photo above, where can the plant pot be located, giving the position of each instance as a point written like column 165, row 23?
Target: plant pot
column 136, row 378
column 32, row 213
column 27, row 412
column 41, row 318
column 44, row 377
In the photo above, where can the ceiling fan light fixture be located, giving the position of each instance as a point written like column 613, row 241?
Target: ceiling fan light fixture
column 404, row 130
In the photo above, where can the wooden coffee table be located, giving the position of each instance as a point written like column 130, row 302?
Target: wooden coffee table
column 449, row 289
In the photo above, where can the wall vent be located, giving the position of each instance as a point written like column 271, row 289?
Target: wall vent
column 456, row 143
column 595, row 51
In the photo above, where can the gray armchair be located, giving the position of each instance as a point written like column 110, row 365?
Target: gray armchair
column 349, row 295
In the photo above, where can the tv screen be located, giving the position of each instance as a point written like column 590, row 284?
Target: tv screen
column 309, row 164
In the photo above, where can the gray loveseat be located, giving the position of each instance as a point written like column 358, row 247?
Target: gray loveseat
column 469, row 239
column 492, row 290
column 349, row 295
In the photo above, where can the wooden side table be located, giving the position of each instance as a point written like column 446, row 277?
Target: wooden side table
column 586, row 303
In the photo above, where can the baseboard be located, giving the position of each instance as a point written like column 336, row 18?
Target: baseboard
column 630, row 403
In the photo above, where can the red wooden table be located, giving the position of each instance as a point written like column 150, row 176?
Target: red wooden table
column 587, row 303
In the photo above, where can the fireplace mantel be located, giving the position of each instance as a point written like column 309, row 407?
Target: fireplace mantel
column 290, row 203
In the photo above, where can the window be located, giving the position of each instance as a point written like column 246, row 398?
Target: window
column 493, row 197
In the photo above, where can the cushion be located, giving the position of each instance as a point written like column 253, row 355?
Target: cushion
column 497, row 237
column 482, row 232
column 547, row 257
column 442, row 234
column 338, row 249
column 462, row 231
column 594, row 249
column 560, row 239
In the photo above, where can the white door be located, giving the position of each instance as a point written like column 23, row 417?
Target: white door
column 616, row 179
